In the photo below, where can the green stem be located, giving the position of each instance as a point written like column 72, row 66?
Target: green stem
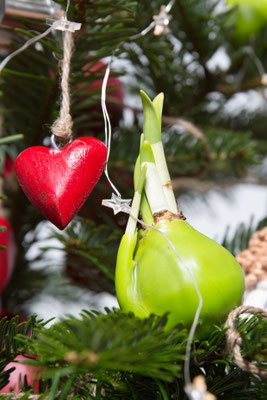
column 154, row 191
column 131, row 224
column 152, row 132
column 164, row 175
column 145, row 209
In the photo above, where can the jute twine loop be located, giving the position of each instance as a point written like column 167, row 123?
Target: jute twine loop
column 234, row 340
column 62, row 127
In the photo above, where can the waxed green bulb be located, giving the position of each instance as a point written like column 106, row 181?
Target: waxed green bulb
column 154, row 270
column 158, row 282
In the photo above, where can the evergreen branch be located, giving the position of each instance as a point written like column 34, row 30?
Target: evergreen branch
column 95, row 350
column 7, row 71
column 193, row 36
column 11, row 139
column 22, row 396
column 115, row 341
column 240, row 239
column 242, row 87
column 91, row 253
column 171, row 120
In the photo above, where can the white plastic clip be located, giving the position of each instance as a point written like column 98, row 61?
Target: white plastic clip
column 117, row 204
column 63, row 24
column 162, row 21
column 264, row 79
column 197, row 390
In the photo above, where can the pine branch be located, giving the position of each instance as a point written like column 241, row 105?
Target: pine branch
column 121, row 356
column 115, row 341
column 239, row 240
column 91, row 254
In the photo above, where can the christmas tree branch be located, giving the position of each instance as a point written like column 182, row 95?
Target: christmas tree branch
column 254, row 83
column 170, row 120
column 193, row 35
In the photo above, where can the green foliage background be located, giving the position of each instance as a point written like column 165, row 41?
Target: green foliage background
column 113, row 355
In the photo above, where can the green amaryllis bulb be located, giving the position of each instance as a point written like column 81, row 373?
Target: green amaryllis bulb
column 150, row 278
column 154, row 269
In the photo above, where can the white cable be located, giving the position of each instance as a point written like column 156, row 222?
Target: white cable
column 192, row 331
column 35, row 39
column 107, row 123
column 169, row 6
column 199, row 308
column 24, row 47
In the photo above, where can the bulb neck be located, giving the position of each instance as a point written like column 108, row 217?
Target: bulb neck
column 167, row 215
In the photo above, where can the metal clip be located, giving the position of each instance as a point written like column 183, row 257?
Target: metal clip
column 162, row 21
column 63, row 24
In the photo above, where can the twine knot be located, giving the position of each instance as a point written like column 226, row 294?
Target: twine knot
column 62, row 127
column 234, row 340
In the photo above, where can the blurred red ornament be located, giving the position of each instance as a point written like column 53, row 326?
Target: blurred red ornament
column 17, row 377
column 7, row 255
column 8, row 166
column 9, row 315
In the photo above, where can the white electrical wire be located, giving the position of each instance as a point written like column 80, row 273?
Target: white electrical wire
column 24, row 47
column 107, row 123
column 63, row 24
column 108, row 135
column 199, row 308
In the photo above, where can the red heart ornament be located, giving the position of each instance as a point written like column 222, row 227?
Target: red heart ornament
column 58, row 182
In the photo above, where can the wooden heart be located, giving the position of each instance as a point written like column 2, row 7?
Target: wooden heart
column 58, row 182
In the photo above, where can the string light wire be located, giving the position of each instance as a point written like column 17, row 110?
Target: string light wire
column 62, row 24
column 107, row 123
column 27, row 44
column 108, row 135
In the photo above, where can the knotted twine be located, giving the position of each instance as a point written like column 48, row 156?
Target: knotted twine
column 234, row 340
column 62, row 127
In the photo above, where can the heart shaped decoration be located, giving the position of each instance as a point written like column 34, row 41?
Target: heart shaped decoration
column 58, row 182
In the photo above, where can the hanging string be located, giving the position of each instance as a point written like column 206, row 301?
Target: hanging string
column 161, row 20
column 62, row 127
